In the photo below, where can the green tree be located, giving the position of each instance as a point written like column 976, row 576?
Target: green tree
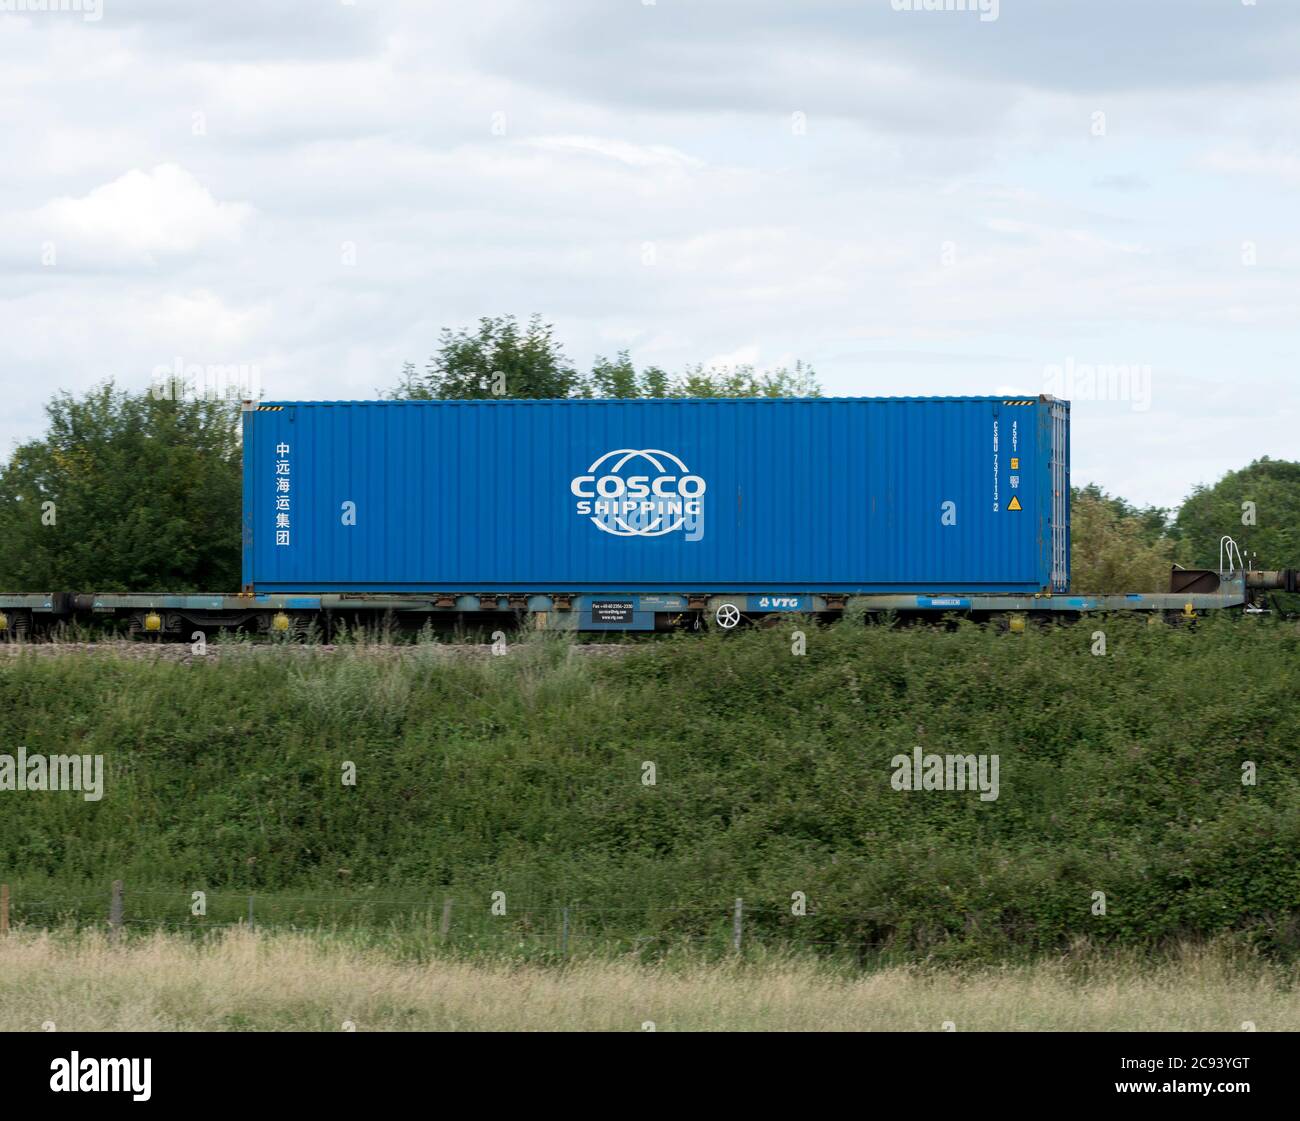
column 1153, row 522
column 1272, row 486
column 499, row 358
column 620, row 379
column 1116, row 547
column 145, row 495
column 746, row 381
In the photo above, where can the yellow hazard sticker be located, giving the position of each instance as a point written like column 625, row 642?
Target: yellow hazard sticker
column 1015, row 464
column 1014, row 504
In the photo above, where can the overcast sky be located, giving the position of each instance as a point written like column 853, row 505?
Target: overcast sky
column 915, row 202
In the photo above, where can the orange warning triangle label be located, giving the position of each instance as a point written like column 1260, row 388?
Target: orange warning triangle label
column 1014, row 504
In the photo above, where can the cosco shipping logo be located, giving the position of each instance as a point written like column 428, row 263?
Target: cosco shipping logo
column 646, row 493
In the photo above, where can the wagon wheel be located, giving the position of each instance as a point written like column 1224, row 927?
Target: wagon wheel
column 727, row 616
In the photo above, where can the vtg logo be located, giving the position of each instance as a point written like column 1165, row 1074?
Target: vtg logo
column 641, row 494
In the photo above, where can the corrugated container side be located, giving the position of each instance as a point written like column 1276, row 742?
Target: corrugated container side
column 844, row 495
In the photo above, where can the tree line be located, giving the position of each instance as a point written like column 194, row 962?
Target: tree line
column 503, row 358
column 1117, row 546
column 141, row 491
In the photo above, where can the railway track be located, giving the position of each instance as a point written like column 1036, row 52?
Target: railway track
column 178, row 651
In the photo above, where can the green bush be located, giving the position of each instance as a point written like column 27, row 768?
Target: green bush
column 1119, row 774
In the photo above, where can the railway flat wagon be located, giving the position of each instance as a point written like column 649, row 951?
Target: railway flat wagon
column 651, row 515
column 771, row 498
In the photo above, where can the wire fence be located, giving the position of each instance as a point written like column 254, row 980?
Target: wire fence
column 462, row 921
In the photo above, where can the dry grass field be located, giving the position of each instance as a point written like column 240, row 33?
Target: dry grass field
column 247, row 982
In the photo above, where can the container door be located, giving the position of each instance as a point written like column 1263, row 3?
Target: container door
column 1060, row 429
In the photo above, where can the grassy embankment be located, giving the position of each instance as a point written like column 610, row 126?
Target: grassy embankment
column 1119, row 774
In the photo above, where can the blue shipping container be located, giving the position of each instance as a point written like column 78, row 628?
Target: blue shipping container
column 764, row 496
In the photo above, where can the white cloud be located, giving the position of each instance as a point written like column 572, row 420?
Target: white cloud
column 634, row 155
column 1281, row 164
column 141, row 216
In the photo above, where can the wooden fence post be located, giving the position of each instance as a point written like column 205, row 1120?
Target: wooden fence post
column 115, row 912
column 444, row 927
column 4, row 910
column 564, row 934
column 736, row 925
